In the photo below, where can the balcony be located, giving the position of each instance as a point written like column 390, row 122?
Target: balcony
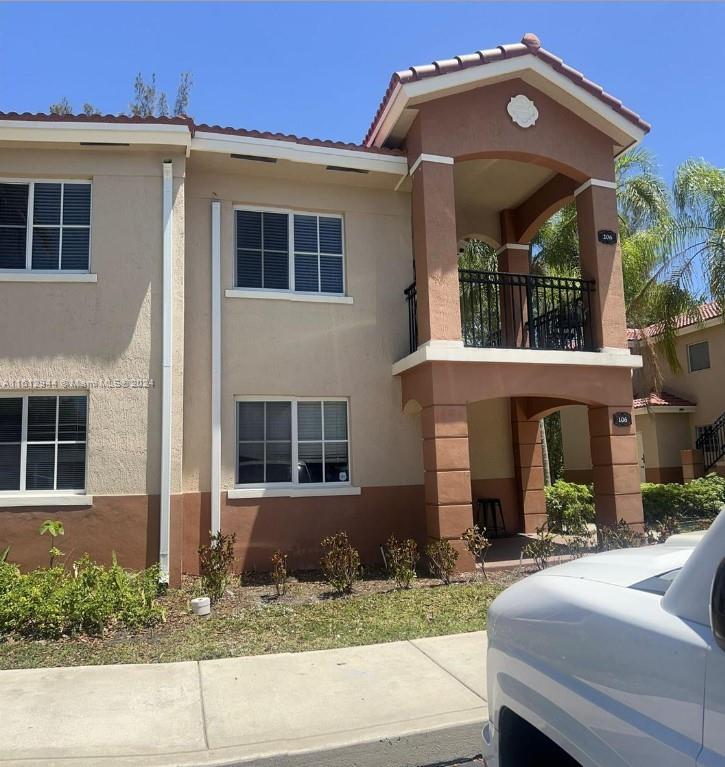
column 518, row 311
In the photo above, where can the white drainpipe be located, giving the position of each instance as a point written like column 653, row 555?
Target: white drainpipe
column 166, row 369
column 216, row 367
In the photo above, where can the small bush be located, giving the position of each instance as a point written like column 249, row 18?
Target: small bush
column 662, row 529
column 215, row 564
column 442, row 558
column 477, row 544
column 340, row 562
column 569, row 507
column 699, row 499
column 51, row 602
column 541, row 549
column 279, row 572
column 402, row 557
column 619, row 536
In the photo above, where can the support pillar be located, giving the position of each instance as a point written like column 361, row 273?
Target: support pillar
column 513, row 258
column 615, row 467
column 447, row 476
column 529, row 466
column 435, row 246
column 693, row 464
column 596, row 209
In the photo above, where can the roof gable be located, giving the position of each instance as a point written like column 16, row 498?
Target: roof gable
column 471, row 70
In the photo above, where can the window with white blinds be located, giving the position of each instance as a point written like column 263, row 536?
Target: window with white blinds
column 299, row 252
column 45, row 226
column 43, row 443
column 292, row 441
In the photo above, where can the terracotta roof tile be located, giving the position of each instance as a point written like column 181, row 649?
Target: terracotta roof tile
column 708, row 311
column 663, row 399
column 529, row 45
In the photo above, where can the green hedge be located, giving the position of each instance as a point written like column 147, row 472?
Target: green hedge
column 87, row 599
column 569, row 506
column 700, row 499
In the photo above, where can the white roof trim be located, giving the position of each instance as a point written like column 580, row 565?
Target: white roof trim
column 225, row 143
column 52, row 131
column 531, row 69
column 657, row 409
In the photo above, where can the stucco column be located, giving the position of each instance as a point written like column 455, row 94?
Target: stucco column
column 693, row 464
column 596, row 209
column 447, row 475
column 436, row 251
column 513, row 257
column 529, row 466
column 615, row 467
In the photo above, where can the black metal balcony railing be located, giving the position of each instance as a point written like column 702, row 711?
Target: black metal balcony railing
column 519, row 311
column 411, row 297
column 712, row 442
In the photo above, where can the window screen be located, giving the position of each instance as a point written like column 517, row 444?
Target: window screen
column 699, row 356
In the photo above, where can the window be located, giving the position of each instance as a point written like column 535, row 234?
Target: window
column 289, row 251
column 45, row 226
column 273, row 436
column 698, row 356
column 43, row 443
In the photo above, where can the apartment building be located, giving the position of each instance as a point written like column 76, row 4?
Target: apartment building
column 686, row 414
column 212, row 328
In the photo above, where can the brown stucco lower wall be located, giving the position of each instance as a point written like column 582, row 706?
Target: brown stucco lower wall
column 506, row 490
column 580, row 476
column 663, row 474
column 297, row 525
column 127, row 525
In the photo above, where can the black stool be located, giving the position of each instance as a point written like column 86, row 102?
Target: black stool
column 489, row 514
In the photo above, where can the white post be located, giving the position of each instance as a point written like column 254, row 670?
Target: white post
column 166, row 370
column 216, row 367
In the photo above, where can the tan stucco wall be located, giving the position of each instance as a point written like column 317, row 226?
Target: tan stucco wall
column 489, row 439
column 272, row 347
column 575, row 438
column 110, row 329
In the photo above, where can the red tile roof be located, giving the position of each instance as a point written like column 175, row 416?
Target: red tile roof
column 529, row 45
column 663, row 399
column 193, row 128
column 708, row 311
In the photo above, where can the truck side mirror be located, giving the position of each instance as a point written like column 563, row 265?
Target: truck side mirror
column 717, row 605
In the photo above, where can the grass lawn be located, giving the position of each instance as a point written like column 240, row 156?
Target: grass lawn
column 249, row 620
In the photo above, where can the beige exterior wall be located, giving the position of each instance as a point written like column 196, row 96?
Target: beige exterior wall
column 489, row 439
column 283, row 348
column 110, row 329
column 575, row 439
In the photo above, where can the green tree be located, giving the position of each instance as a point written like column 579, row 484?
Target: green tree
column 149, row 101
column 62, row 107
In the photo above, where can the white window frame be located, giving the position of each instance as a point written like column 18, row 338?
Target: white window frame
column 28, row 270
column 55, row 442
column 291, row 290
column 299, row 488
column 689, row 361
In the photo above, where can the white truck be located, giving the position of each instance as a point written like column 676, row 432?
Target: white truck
column 613, row 660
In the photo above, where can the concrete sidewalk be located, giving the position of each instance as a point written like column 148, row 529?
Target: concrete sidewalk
column 396, row 704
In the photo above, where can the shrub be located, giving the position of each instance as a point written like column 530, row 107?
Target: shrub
column 541, row 548
column 215, row 564
column 662, row 529
column 340, row 562
column 569, row 507
column 698, row 499
column 54, row 528
column 477, row 544
column 279, row 572
column 402, row 557
column 619, row 536
column 51, row 602
column 442, row 558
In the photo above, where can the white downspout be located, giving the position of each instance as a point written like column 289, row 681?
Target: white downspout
column 216, row 367
column 166, row 369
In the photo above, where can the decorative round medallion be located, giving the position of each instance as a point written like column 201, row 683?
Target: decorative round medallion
column 522, row 111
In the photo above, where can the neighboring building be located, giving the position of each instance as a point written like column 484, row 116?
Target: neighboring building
column 206, row 328
column 687, row 414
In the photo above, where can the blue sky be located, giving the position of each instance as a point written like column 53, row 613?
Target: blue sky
column 321, row 69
